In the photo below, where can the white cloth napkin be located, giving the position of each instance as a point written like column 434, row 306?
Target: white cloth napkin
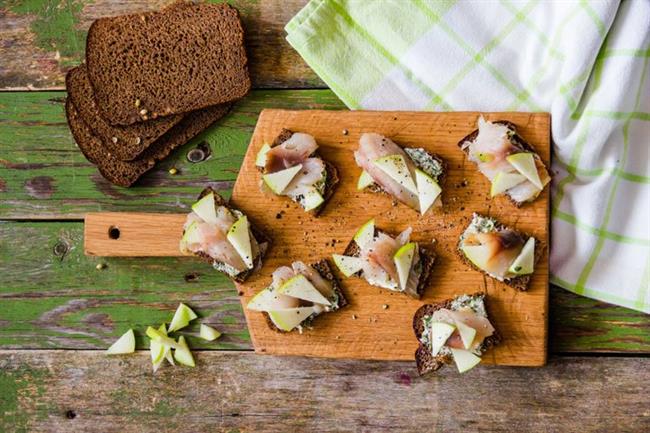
column 585, row 62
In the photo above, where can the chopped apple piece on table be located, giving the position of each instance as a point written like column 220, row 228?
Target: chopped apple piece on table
column 124, row 344
column 182, row 353
column 182, row 317
column 208, row 333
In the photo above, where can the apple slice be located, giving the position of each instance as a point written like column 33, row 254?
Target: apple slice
column 365, row 180
column 238, row 235
column 464, row 359
column 124, row 344
column 268, row 300
column 205, row 209
column 190, row 236
column 348, row 265
column 467, row 334
column 477, row 254
column 504, row 181
column 260, row 160
column 312, row 199
column 168, row 350
column 525, row 164
column 161, row 338
column 300, row 287
column 428, row 190
column 159, row 352
column 365, row 234
column 262, row 301
column 440, row 333
column 182, row 317
column 208, row 333
column 182, row 354
column 289, row 318
column 395, row 167
column 484, row 157
column 279, row 180
column 403, row 260
column 524, row 264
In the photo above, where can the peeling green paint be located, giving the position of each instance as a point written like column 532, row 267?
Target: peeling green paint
column 16, row 386
column 55, row 26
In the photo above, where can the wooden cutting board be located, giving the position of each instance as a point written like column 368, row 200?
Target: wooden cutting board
column 377, row 323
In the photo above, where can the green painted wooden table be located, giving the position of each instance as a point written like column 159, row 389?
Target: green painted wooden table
column 59, row 311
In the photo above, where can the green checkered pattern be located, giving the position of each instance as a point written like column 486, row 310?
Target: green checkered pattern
column 586, row 62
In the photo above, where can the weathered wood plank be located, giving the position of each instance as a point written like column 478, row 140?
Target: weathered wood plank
column 55, row 300
column 41, row 40
column 63, row 391
column 53, row 296
column 44, row 176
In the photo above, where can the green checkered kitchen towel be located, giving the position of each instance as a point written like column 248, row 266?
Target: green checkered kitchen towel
column 585, row 62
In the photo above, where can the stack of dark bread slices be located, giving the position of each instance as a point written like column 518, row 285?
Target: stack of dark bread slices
column 151, row 82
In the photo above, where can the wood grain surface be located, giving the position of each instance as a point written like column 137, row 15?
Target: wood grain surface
column 53, row 296
column 366, row 329
column 43, row 175
column 52, row 301
column 64, row 391
column 42, row 40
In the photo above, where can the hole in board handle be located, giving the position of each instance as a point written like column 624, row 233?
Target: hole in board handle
column 114, row 232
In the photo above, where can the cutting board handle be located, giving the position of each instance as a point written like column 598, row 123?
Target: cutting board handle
column 123, row 234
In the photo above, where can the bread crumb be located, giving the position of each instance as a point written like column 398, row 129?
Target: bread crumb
column 173, row 171
column 354, row 317
column 143, row 112
column 137, row 140
column 114, row 139
column 137, row 103
column 385, row 306
column 345, row 132
column 100, row 266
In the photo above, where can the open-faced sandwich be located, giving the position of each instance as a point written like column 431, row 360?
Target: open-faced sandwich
column 297, row 295
column 291, row 167
column 223, row 236
column 507, row 160
column 500, row 252
column 457, row 330
column 410, row 175
column 396, row 264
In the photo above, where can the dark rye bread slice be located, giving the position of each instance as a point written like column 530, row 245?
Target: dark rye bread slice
column 427, row 257
column 521, row 282
column 259, row 235
column 325, row 270
column 516, row 139
column 424, row 359
column 126, row 173
column 186, row 57
column 123, row 142
column 332, row 173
